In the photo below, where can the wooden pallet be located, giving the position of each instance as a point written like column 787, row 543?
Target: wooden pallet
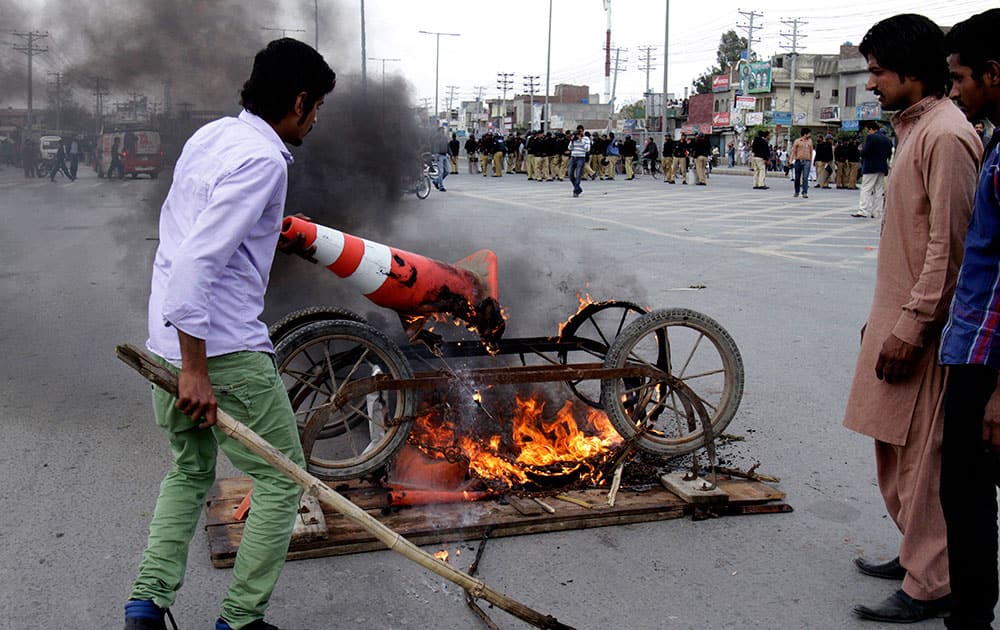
column 441, row 523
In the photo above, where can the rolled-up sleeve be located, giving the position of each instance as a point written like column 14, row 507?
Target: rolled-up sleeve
column 234, row 206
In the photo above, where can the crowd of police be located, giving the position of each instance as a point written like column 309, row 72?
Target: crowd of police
column 544, row 156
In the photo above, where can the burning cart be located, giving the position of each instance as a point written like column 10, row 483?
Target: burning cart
column 668, row 381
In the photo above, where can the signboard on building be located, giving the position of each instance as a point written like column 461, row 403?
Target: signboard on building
column 755, row 118
column 720, row 83
column 871, row 110
column 745, row 102
column 849, row 125
column 783, row 119
column 689, row 130
column 629, row 124
column 721, row 119
column 760, row 77
column 799, row 118
column 829, row 114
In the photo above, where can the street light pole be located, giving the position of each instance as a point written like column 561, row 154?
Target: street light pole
column 437, row 61
column 547, row 119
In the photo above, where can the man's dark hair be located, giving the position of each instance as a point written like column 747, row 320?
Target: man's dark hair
column 911, row 46
column 281, row 72
column 805, row 132
column 871, row 124
column 973, row 40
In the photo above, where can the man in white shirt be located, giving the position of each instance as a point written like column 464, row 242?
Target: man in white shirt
column 218, row 229
column 579, row 146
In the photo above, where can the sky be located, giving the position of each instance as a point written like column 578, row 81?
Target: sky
column 514, row 39
column 493, row 37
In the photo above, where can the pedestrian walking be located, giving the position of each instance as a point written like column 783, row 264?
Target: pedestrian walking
column 802, row 153
column 59, row 165
column 74, row 157
column 761, row 151
column 875, row 167
column 453, row 148
column 439, row 153
column 470, row 153
column 579, row 148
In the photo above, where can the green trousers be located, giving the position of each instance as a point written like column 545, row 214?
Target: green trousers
column 249, row 389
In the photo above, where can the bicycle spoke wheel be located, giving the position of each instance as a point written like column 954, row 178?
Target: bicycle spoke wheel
column 699, row 364
column 599, row 324
column 348, row 437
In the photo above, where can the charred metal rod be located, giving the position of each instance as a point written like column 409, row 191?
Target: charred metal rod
column 160, row 376
column 473, row 568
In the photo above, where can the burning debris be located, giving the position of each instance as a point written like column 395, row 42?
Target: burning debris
column 530, row 449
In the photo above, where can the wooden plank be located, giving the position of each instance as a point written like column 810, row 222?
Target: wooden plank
column 436, row 524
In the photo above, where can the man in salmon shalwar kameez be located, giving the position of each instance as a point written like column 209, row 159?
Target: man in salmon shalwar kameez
column 897, row 392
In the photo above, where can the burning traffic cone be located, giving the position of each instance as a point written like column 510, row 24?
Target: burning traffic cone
column 410, row 284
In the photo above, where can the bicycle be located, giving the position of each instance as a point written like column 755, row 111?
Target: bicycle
column 649, row 166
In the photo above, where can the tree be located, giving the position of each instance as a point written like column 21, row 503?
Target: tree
column 731, row 47
column 635, row 110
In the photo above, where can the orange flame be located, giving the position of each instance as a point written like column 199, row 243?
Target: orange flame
column 442, row 555
column 585, row 300
column 575, row 440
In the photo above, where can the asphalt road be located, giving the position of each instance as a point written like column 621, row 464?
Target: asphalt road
column 790, row 279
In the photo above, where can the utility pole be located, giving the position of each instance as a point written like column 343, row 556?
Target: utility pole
column 30, row 49
column 750, row 27
column 646, row 65
column 504, row 84
column 478, row 93
column 316, row 23
column 666, row 49
column 437, row 61
column 451, row 99
column 530, row 86
column 58, row 97
column 619, row 62
column 426, row 102
column 100, row 91
column 607, row 52
column 364, row 55
column 794, row 36
column 548, row 69
column 383, row 60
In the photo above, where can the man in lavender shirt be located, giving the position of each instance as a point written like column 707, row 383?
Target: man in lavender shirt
column 219, row 227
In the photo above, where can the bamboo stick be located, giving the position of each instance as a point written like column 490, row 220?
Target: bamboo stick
column 160, row 376
column 574, row 500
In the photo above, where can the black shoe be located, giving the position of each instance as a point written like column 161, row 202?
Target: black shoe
column 146, row 623
column 901, row 608
column 890, row 570
column 765, row 187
